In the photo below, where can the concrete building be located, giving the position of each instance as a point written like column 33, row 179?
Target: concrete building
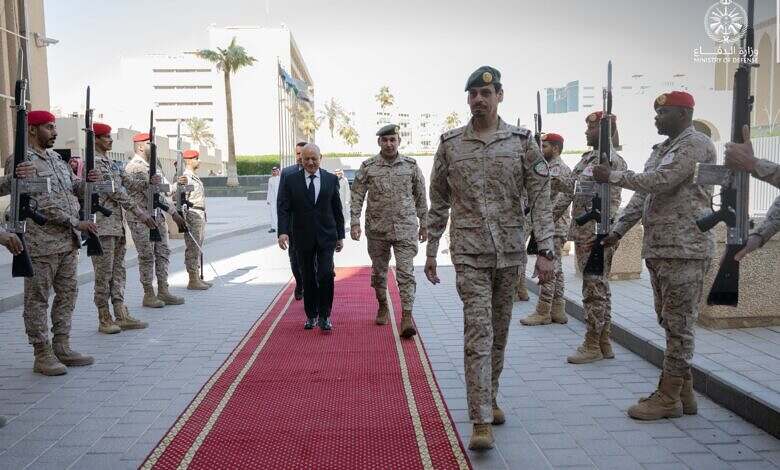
column 12, row 33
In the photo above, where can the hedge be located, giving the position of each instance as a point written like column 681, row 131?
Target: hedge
column 256, row 164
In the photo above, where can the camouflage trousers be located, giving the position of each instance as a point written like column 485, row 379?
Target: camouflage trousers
column 596, row 297
column 58, row 272
column 110, row 273
column 678, row 286
column 553, row 289
column 487, row 295
column 196, row 223
column 405, row 251
column 153, row 257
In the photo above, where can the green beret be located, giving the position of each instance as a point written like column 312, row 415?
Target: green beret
column 389, row 129
column 485, row 75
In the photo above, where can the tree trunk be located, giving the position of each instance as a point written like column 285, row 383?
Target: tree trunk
column 232, row 172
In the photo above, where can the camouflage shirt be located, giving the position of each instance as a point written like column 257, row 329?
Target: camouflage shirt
column 482, row 184
column 396, row 198
column 583, row 173
column 60, row 206
column 769, row 172
column 560, row 187
column 117, row 201
column 196, row 197
column 137, row 182
column 667, row 199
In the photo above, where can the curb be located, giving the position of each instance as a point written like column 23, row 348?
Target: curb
column 17, row 300
column 752, row 408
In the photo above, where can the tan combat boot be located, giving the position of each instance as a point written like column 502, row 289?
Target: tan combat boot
column 558, row 312
column 150, row 298
column 407, row 327
column 687, row 397
column 498, row 415
column 69, row 357
column 46, row 362
column 168, row 298
column 383, row 311
column 106, row 324
column 125, row 320
column 481, row 437
column 590, row 351
column 606, row 346
column 521, row 293
column 663, row 403
column 540, row 317
column 196, row 283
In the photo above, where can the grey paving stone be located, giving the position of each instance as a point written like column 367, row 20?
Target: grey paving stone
column 680, row 445
column 733, row 452
column 566, row 457
column 708, row 461
column 112, row 445
column 648, row 454
column 555, row 441
column 616, row 462
column 712, row 436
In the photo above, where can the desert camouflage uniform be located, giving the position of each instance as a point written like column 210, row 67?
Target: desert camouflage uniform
column 153, row 257
column 560, row 181
column 769, row 172
column 396, row 200
column 481, row 183
column 53, row 248
column 110, row 272
column 196, row 222
column 596, row 296
column 676, row 252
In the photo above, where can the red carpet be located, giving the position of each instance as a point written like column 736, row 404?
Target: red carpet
column 358, row 398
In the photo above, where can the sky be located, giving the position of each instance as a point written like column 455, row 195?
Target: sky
column 424, row 50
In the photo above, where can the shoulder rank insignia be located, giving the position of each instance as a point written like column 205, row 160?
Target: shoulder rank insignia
column 541, row 168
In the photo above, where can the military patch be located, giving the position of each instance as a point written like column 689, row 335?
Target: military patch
column 661, row 100
column 541, row 168
column 668, row 158
column 487, row 77
column 592, row 117
column 555, row 171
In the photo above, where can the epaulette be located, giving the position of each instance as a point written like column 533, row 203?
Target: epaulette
column 452, row 133
column 369, row 161
column 521, row 131
column 410, row 159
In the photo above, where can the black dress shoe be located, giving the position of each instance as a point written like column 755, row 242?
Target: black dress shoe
column 309, row 323
column 271, row 230
column 325, row 324
column 298, row 294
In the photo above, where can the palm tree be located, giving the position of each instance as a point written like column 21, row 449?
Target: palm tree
column 333, row 113
column 451, row 121
column 229, row 61
column 307, row 122
column 349, row 134
column 384, row 97
column 200, row 133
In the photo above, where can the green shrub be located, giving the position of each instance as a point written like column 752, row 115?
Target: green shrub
column 256, row 164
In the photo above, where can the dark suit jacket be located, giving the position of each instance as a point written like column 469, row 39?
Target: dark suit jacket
column 286, row 171
column 308, row 224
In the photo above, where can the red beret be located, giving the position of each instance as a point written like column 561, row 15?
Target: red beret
column 190, row 154
column 552, row 137
column 101, row 129
column 142, row 137
column 36, row 118
column 597, row 115
column 675, row 98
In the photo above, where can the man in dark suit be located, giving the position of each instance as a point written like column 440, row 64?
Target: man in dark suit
column 289, row 170
column 311, row 207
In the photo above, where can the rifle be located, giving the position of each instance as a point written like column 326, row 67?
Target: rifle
column 153, row 200
column 91, row 203
column 182, row 203
column 600, row 210
column 23, row 206
column 532, row 248
column 735, row 185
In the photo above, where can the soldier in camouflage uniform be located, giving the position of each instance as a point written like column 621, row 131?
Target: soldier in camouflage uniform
column 596, row 297
column 110, row 272
column 153, row 257
column 195, row 218
column 479, row 173
column 396, row 200
column 741, row 157
column 551, row 306
column 676, row 252
column 53, row 248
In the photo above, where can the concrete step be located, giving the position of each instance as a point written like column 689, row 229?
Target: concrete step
column 249, row 180
column 256, row 195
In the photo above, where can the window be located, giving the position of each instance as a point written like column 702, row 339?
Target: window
column 180, row 70
column 185, row 103
column 183, row 87
column 184, row 120
column 564, row 100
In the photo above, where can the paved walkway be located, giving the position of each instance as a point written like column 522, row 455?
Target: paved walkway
column 746, row 358
column 111, row 415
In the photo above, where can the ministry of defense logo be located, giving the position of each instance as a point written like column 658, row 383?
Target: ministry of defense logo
column 726, row 22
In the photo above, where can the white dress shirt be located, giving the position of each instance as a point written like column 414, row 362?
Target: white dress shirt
column 317, row 180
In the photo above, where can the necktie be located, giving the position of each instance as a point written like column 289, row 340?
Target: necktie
column 311, row 189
